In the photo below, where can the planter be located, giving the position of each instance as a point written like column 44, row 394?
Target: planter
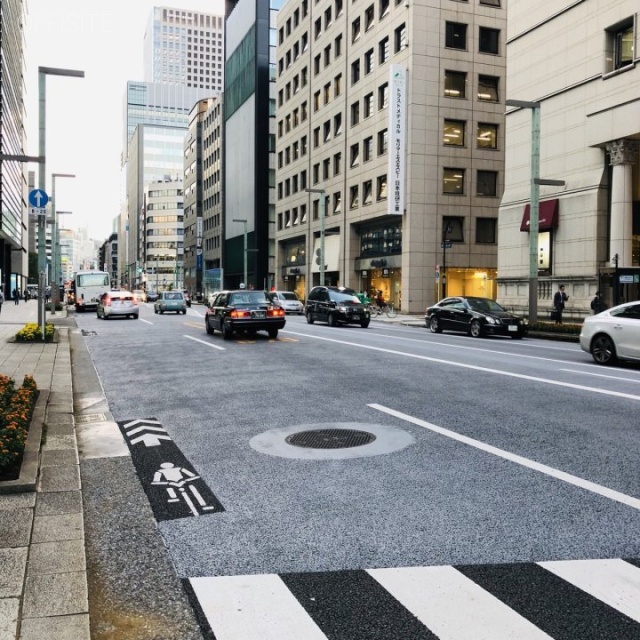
column 27, row 479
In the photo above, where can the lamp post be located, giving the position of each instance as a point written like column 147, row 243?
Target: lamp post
column 43, row 72
column 322, row 221
column 55, row 242
column 534, row 207
column 244, row 222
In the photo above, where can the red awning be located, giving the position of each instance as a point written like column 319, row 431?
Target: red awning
column 548, row 216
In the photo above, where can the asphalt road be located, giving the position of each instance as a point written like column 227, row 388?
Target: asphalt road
column 489, row 455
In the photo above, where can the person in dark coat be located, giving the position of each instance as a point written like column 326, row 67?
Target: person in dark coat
column 559, row 299
column 598, row 304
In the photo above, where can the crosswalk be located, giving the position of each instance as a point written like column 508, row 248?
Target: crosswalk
column 560, row 600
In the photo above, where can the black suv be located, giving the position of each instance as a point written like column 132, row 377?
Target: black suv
column 336, row 305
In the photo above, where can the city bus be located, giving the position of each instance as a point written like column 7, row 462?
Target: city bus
column 88, row 287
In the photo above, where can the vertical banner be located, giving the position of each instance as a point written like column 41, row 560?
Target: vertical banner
column 398, row 139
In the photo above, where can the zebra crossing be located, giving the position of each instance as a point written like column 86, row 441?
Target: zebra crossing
column 559, row 600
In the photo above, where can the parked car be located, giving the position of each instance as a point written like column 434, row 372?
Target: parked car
column 243, row 311
column 140, row 295
column 170, row 301
column 613, row 334
column 117, row 303
column 288, row 301
column 336, row 305
column 476, row 316
column 152, row 295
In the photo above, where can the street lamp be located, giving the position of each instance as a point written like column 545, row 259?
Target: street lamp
column 55, row 242
column 43, row 72
column 244, row 222
column 322, row 221
column 534, row 207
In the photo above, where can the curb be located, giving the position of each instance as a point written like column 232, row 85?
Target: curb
column 28, row 477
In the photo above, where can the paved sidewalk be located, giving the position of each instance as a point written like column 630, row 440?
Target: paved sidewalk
column 43, row 582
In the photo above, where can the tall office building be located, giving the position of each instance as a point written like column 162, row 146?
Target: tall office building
column 392, row 113
column 13, row 182
column 184, row 47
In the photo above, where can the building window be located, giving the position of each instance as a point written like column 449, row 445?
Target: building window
column 369, row 16
column 383, row 96
column 354, row 155
column 337, row 124
column 452, row 228
column 486, row 230
column 384, row 8
column 491, row 3
column 316, row 173
column 455, row 35
column 620, row 40
column 454, row 133
column 487, row 183
column 367, row 149
column 326, row 168
column 327, row 93
column 355, row 30
column 488, row 88
column 326, row 131
column 400, row 38
column 368, row 62
column 316, row 101
column 487, row 136
column 353, row 197
column 337, row 164
column 327, row 17
column 303, row 146
column 367, row 192
column 381, row 188
column 337, row 202
column 355, row 113
column 316, row 137
column 337, row 85
column 338, row 46
column 368, row 105
column 339, row 5
column 383, row 142
column 317, row 28
column 489, row 40
column 303, row 111
column 355, row 72
column 327, row 56
column 455, row 84
column 316, row 65
column 453, row 181
column 383, row 50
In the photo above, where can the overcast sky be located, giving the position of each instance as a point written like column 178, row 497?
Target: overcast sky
column 84, row 116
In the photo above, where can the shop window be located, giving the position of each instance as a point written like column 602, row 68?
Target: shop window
column 455, row 35
column 489, row 40
column 487, row 136
column 453, row 181
column 455, row 84
column 486, row 230
column 454, row 133
column 452, row 229
column 487, row 183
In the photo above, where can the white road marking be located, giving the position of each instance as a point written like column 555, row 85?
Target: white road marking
column 520, row 376
column 601, row 375
column 143, row 320
column 587, row 485
column 208, row 344
column 193, row 312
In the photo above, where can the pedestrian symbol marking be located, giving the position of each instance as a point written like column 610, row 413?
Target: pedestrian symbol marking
column 174, row 488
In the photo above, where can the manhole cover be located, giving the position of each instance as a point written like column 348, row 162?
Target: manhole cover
column 330, row 439
column 89, row 333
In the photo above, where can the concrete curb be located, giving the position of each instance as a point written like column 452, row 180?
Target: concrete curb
column 28, row 477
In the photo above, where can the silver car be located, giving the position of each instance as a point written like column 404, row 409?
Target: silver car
column 288, row 301
column 613, row 334
column 117, row 303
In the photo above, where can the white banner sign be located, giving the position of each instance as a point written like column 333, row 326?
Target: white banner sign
column 397, row 139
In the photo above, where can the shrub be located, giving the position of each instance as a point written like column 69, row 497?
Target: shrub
column 16, row 409
column 32, row 333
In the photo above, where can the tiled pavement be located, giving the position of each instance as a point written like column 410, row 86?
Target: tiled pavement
column 43, row 583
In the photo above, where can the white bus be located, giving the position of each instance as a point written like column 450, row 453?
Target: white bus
column 88, row 287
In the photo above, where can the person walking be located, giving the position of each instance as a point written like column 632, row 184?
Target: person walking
column 1, row 300
column 16, row 296
column 559, row 300
column 26, row 295
column 598, row 304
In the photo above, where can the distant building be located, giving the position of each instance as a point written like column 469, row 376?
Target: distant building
column 108, row 258
column 581, row 64
column 185, row 47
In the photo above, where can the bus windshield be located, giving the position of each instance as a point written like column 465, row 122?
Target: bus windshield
column 92, row 280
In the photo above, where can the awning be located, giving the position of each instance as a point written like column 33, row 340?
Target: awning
column 331, row 253
column 548, row 216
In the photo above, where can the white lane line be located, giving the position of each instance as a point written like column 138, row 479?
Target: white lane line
column 525, row 462
column 208, row 344
column 520, row 376
column 601, row 375
column 193, row 312
column 454, row 607
column 143, row 320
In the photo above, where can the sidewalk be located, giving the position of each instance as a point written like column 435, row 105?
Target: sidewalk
column 43, row 583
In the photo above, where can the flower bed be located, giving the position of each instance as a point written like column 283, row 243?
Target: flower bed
column 16, row 409
column 32, row 332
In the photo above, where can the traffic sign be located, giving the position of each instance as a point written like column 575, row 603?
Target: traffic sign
column 446, row 244
column 38, row 198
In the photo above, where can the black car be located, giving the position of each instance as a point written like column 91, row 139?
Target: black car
column 244, row 311
column 336, row 305
column 476, row 316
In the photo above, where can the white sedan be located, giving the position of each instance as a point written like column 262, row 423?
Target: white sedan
column 613, row 334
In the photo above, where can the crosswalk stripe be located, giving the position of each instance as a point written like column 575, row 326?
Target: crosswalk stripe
column 557, row 607
column 615, row 582
column 243, row 607
column 454, row 607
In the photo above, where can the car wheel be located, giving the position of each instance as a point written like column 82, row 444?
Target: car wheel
column 603, row 350
column 331, row 320
column 364, row 324
column 155, row 311
column 208, row 327
column 227, row 331
column 135, row 316
column 434, row 325
column 161, row 311
column 475, row 329
column 273, row 333
column 309, row 317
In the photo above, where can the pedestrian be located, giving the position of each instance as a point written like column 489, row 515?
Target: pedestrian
column 559, row 300
column 1, row 300
column 26, row 295
column 598, row 304
column 380, row 299
column 16, row 296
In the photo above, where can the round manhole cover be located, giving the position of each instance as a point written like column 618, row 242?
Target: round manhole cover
column 330, row 439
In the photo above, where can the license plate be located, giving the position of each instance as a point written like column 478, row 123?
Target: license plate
column 258, row 314
column 355, row 316
column 513, row 327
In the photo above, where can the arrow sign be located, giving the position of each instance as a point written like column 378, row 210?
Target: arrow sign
column 145, row 427
column 135, row 422
column 149, row 439
column 38, row 198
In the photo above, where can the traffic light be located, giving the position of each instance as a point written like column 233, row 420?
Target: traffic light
column 318, row 256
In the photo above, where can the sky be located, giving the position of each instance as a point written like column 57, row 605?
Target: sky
column 84, row 115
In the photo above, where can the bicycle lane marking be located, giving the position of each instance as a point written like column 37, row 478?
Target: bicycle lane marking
column 173, row 487
column 598, row 489
column 510, row 374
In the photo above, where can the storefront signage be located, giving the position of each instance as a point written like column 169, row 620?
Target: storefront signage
column 397, row 143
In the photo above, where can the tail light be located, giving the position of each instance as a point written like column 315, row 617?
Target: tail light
column 276, row 312
column 240, row 313
column 107, row 302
